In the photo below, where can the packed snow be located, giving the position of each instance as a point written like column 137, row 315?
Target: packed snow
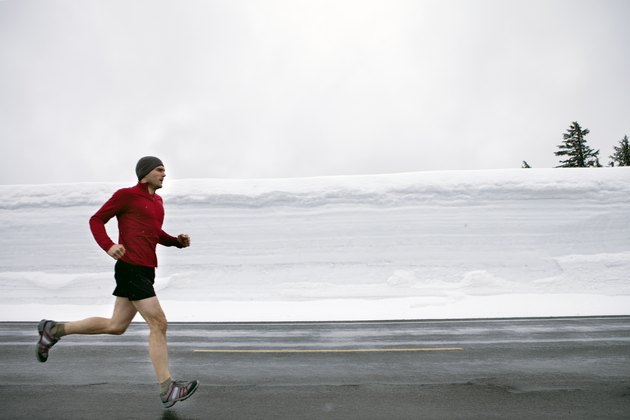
column 426, row 245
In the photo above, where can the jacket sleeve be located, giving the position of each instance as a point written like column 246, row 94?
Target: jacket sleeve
column 97, row 222
column 168, row 240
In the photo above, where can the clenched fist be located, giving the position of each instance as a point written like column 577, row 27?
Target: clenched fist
column 116, row 251
column 184, row 240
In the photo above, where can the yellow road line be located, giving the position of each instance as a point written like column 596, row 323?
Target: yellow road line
column 383, row 350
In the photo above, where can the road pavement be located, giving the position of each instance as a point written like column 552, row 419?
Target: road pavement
column 559, row 368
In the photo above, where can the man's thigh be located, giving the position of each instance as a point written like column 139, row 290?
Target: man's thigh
column 124, row 312
column 150, row 309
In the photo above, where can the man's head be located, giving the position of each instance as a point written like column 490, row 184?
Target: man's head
column 145, row 165
column 150, row 170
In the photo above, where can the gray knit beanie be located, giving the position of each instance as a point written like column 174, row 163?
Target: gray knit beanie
column 146, row 165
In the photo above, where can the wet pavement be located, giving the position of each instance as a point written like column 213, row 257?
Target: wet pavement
column 513, row 368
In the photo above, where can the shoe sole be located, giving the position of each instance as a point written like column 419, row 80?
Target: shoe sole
column 169, row 404
column 40, row 329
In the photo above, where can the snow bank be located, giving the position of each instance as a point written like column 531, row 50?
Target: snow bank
column 458, row 244
column 362, row 190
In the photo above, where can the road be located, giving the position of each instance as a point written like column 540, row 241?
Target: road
column 560, row 368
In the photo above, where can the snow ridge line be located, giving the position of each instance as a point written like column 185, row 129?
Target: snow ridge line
column 601, row 185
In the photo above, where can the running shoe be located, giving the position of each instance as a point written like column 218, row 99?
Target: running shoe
column 178, row 391
column 46, row 339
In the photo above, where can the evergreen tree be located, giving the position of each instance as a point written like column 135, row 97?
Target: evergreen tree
column 525, row 165
column 574, row 147
column 622, row 153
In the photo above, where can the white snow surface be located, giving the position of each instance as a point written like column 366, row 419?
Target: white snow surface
column 425, row 245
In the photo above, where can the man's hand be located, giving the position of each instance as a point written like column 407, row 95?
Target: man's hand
column 116, row 251
column 184, row 240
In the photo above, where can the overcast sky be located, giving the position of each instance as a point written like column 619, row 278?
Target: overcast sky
column 261, row 88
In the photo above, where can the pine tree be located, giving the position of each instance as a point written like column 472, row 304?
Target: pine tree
column 579, row 154
column 622, row 153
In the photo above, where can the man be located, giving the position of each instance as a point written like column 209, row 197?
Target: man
column 140, row 214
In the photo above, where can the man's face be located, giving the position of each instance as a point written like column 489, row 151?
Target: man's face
column 155, row 178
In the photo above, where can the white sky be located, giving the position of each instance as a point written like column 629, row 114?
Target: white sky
column 260, row 88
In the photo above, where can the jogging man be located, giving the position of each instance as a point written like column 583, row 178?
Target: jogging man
column 140, row 214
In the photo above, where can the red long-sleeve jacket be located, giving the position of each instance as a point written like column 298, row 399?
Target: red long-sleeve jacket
column 140, row 216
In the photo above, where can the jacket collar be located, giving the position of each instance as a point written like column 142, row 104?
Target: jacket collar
column 144, row 187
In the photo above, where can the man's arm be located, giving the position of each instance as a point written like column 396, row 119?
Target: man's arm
column 98, row 221
column 182, row 241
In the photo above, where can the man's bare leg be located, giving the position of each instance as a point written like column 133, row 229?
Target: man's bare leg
column 50, row 331
column 124, row 312
column 153, row 314
column 170, row 391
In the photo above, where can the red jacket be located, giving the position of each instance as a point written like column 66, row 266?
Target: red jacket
column 140, row 216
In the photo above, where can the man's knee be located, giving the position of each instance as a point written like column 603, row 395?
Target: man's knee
column 159, row 324
column 153, row 314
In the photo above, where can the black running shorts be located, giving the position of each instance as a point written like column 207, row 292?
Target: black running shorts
column 134, row 282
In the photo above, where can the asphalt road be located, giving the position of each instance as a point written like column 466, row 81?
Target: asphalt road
column 569, row 368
